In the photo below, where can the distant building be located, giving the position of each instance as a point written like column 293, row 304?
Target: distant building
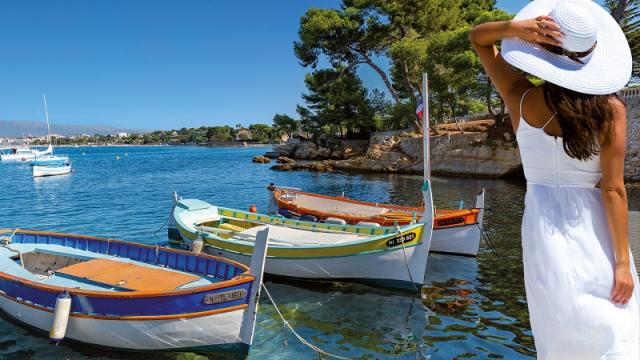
column 243, row 134
column 122, row 135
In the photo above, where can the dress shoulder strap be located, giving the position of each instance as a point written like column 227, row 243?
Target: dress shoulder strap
column 522, row 99
column 548, row 121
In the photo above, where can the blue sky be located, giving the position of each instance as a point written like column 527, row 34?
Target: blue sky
column 155, row 64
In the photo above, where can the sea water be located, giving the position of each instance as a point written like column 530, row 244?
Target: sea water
column 470, row 307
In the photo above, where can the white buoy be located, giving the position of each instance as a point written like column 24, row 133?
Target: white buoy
column 332, row 220
column 197, row 244
column 60, row 317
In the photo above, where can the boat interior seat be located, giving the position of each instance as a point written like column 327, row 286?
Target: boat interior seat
column 231, row 227
column 127, row 275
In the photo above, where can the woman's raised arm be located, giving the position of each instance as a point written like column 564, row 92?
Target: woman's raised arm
column 483, row 38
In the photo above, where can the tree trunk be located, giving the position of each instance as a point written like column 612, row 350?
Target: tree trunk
column 384, row 77
column 618, row 15
column 405, row 77
column 488, row 98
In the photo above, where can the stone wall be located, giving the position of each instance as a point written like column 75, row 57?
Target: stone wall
column 632, row 160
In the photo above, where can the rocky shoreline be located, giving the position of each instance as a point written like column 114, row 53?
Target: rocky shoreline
column 467, row 149
column 470, row 149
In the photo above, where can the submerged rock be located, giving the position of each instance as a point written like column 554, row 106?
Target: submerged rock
column 317, row 166
column 261, row 159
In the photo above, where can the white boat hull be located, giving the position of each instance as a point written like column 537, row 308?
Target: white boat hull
column 387, row 268
column 26, row 156
column 195, row 333
column 460, row 240
column 463, row 240
column 39, row 171
column 17, row 158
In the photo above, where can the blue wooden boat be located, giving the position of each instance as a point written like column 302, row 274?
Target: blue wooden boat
column 125, row 295
column 50, row 160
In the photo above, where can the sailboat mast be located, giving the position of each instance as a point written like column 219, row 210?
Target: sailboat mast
column 46, row 116
column 425, row 127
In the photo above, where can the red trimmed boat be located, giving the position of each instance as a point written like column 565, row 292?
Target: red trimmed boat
column 454, row 231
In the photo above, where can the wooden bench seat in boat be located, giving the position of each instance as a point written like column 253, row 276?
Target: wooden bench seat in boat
column 127, row 276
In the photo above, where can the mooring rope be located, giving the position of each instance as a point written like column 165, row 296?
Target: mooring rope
column 298, row 336
column 485, row 235
column 406, row 261
column 166, row 221
column 7, row 240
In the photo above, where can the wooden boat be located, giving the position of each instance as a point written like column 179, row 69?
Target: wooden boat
column 50, row 160
column 454, row 231
column 391, row 257
column 125, row 295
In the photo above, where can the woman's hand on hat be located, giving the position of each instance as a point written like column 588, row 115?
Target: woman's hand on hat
column 541, row 30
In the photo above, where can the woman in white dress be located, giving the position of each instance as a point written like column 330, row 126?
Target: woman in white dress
column 581, row 284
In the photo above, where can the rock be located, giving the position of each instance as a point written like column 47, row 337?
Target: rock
column 319, row 166
column 285, row 160
column 394, row 157
column 284, row 167
column 323, row 153
column 282, row 150
column 375, row 151
column 349, row 151
column 412, row 147
column 261, row 159
column 337, row 154
column 306, row 151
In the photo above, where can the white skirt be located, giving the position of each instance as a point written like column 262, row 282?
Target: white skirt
column 568, row 271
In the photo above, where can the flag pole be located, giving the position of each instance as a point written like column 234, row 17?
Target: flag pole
column 425, row 127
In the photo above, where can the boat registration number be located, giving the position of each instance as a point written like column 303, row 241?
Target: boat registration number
column 401, row 239
column 224, row 296
column 454, row 221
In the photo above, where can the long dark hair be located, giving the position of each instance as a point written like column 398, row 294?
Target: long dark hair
column 586, row 120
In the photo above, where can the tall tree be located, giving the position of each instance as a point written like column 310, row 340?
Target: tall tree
column 627, row 14
column 346, row 38
column 285, row 123
column 337, row 101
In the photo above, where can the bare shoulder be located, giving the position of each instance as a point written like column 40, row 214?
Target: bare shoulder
column 619, row 110
column 619, row 117
column 618, row 136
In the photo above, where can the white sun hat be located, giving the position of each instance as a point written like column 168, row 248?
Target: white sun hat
column 594, row 57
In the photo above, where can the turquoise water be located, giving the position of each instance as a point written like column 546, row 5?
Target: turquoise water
column 471, row 308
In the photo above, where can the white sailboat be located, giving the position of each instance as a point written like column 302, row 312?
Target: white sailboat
column 24, row 154
column 50, row 165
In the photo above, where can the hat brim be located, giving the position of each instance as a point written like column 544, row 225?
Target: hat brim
column 606, row 70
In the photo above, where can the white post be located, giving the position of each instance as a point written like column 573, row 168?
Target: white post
column 257, row 270
column 46, row 116
column 427, row 218
column 425, row 127
column 480, row 205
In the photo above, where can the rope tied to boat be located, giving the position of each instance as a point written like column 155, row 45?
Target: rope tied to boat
column 406, row 261
column 6, row 240
column 485, row 235
column 298, row 336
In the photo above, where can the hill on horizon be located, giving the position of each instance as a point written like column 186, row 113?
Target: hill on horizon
column 38, row 128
